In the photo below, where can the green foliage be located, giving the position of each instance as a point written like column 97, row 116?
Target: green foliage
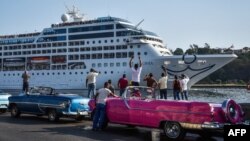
column 178, row 51
column 235, row 72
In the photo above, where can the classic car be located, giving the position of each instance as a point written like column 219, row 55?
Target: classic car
column 45, row 101
column 4, row 102
column 137, row 107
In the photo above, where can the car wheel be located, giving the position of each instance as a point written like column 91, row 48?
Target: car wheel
column 52, row 115
column 174, row 131
column 14, row 111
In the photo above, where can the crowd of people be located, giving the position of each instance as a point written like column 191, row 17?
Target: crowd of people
column 180, row 84
column 179, row 87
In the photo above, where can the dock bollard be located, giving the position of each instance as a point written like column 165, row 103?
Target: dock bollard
column 155, row 133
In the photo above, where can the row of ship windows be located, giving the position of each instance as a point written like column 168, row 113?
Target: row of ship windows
column 71, row 66
column 58, row 38
column 94, row 36
column 53, row 73
column 62, row 50
column 58, row 44
column 96, row 48
column 86, row 29
column 100, row 55
column 77, row 56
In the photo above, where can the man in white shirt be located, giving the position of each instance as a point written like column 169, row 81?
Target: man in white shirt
column 163, row 84
column 184, row 83
column 100, row 110
column 91, row 82
column 136, row 71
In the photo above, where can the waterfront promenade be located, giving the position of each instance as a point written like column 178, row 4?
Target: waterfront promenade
column 219, row 86
column 214, row 94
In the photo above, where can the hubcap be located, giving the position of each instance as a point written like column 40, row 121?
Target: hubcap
column 172, row 130
column 51, row 116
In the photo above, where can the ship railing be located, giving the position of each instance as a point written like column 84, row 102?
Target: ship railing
column 81, row 22
column 20, row 35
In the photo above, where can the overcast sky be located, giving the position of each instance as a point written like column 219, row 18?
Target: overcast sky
column 220, row 23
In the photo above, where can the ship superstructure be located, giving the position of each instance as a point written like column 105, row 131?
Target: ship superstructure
column 61, row 56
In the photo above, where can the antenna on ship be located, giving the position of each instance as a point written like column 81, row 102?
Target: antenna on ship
column 73, row 14
column 139, row 23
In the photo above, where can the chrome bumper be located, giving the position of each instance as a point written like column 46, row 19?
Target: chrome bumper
column 212, row 125
column 3, row 106
column 219, row 126
column 79, row 113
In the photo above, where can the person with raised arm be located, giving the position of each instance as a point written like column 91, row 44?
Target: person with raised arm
column 136, row 71
column 91, row 82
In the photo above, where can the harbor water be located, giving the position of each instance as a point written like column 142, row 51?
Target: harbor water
column 215, row 95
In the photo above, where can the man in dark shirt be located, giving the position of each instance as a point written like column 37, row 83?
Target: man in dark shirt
column 151, row 82
column 26, row 78
column 122, row 84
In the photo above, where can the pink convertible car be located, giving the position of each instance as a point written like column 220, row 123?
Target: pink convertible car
column 137, row 108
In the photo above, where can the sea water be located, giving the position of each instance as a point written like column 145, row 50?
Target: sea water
column 218, row 95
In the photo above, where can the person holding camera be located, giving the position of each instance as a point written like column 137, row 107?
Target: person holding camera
column 91, row 82
column 151, row 82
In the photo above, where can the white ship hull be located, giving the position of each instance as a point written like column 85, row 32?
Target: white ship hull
column 68, row 79
column 62, row 55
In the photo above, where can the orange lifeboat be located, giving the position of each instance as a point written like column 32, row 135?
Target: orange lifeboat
column 40, row 60
column 58, row 59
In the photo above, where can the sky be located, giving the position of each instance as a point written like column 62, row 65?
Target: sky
column 180, row 23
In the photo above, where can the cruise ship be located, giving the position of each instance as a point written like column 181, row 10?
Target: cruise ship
column 62, row 55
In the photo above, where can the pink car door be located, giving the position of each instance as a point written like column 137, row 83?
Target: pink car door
column 135, row 112
column 118, row 111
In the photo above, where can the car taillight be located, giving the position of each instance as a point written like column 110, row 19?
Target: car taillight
column 232, row 111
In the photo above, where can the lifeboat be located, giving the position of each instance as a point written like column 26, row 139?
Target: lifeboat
column 58, row 59
column 14, row 62
column 40, row 60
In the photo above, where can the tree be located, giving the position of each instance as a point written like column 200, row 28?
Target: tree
column 178, row 51
column 193, row 49
column 207, row 46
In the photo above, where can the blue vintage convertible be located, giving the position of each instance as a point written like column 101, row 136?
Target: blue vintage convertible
column 45, row 101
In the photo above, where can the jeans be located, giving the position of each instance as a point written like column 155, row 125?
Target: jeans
column 91, row 87
column 122, row 91
column 25, row 87
column 185, row 93
column 99, row 116
column 163, row 93
column 176, row 95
